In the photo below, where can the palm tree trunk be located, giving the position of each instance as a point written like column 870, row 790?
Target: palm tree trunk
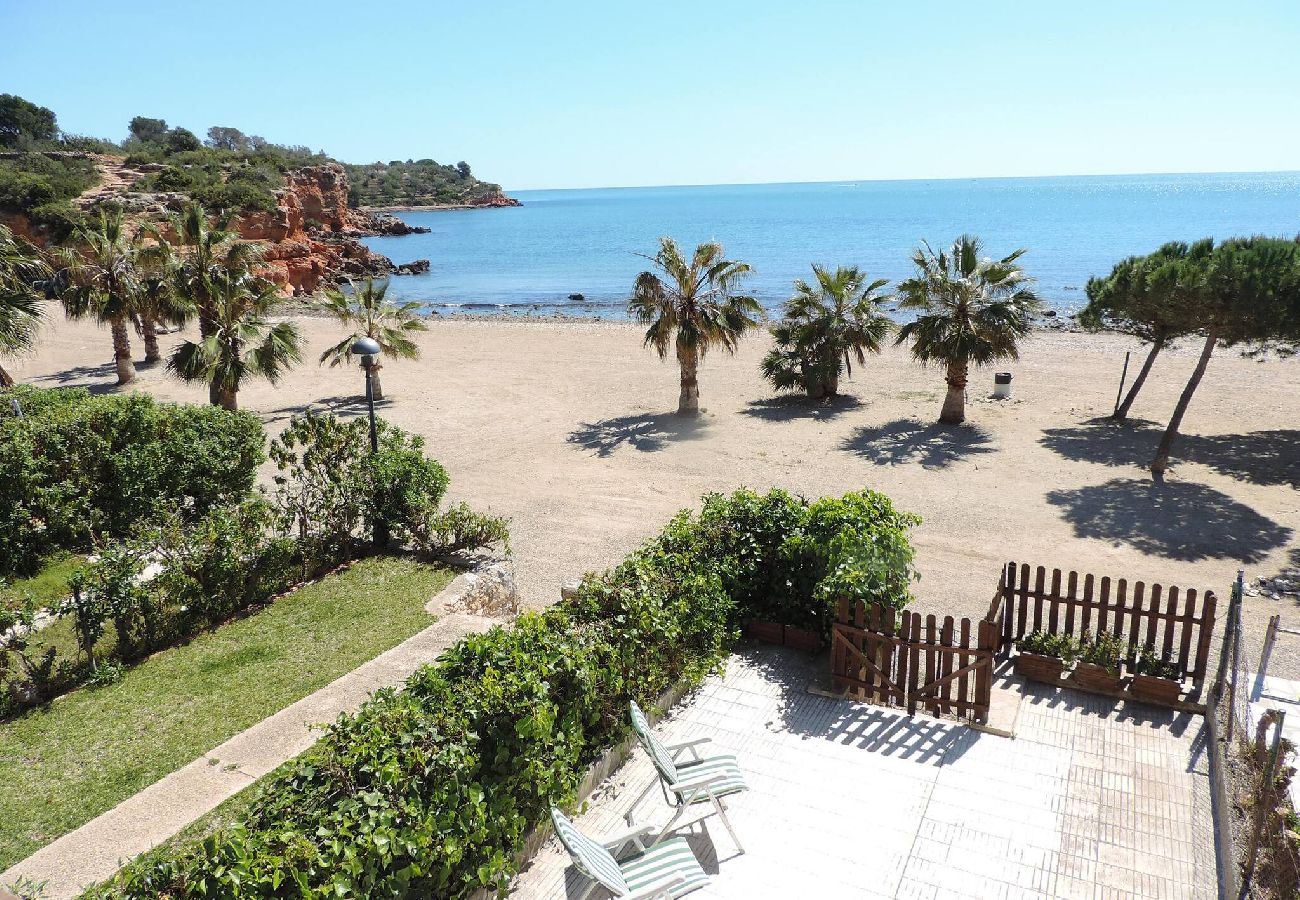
column 376, row 387
column 954, row 404
column 688, row 402
column 227, row 397
column 122, row 351
column 1161, row 461
column 831, row 386
column 1122, row 413
column 6, row 380
column 149, row 328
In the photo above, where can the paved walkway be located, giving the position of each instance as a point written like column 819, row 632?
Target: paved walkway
column 1092, row 798
column 99, row 848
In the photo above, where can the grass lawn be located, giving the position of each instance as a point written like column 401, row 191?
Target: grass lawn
column 63, row 765
column 46, row 587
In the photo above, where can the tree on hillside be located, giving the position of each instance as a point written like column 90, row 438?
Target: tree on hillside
column 21, row 270
column 221, row 137
column 826, row 326
column 22, row 121
column 462, row 169
column 242, row 341
column 371, row 315
column 696, row 302
column 100, row 278
column 1251, row 294
column 1148, row 297
column 182, row 140
column 146, row 130
column 970, row 311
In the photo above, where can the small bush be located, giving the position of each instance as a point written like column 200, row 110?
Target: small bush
column 80, row 469
column 1106, row 650
column 1044, row 643
column 1148, row 662
column 458, row 529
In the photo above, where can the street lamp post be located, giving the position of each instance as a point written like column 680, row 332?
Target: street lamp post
column 368, row 348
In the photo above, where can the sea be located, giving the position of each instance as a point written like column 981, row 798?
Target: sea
column 577, row 252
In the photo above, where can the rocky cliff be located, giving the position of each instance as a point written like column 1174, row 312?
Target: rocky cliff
column 310, row 236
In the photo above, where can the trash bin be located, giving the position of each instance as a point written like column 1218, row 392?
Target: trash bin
column 1002, row 386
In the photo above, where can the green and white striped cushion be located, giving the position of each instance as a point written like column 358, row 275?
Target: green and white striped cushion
column 658, row 865
column 590, row 858
column 732, row 781
column 659, row 755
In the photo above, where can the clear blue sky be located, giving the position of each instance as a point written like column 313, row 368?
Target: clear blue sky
column 578, row 94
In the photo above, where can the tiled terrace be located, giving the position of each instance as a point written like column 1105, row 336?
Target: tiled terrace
column 1092, row 798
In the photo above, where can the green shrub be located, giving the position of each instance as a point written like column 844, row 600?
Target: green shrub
column 1148, row 662
column 431, row 791
column 458, row 529
column 80, row 469
column 1105, row 650
column 1044, row 643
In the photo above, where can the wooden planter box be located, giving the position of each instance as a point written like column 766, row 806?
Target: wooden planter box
column 768, row 632
column 799, row 639
column 1047, row 669
column 784, row 635
column 1094, row 677
column 1151, row 689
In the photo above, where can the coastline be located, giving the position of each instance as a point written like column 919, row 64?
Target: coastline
column 443, row 207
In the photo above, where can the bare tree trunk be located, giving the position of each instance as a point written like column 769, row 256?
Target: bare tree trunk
column 954, row 404
column 6, row 380
column 122, row 351
column 688, row 403
column 376, row 386
column 149, row 328
column 1161, row 461
column 227, row 397
column 1122, row 413
column 831, row 387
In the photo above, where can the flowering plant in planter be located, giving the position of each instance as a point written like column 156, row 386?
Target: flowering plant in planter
column 1044, row 656
column 1099, row 661
column 1154, row 679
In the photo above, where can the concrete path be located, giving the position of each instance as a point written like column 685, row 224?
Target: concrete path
column 99, row 848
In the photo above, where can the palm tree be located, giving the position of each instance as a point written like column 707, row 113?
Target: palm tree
column 161, row 301
column 21, row 269
column 205, row 252
column 826, row 327
column 1148, row 297
column 390, row 324
column 697, row 303
column 101, row 279
column 970, row 311
column 241, row 341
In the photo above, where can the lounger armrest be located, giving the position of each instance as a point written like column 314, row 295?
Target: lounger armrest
column 633, row 836
column 662, row 890
column 692, row 784
column 676, row 749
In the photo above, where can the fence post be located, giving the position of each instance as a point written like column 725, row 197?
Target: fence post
column 1236, row 654
column 1263, row 798
column 1270, row 637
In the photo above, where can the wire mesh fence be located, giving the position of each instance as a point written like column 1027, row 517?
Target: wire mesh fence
column 1257, row 765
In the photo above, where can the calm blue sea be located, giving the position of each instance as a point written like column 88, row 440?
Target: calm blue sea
column 529, row 259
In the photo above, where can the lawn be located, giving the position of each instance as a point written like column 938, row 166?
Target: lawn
column 63, row 765
column 48, row 586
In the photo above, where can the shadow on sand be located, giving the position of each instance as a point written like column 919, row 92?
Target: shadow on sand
column 1261, row 457
column 931, row 445
column 1176, row 520
column 85, row 377
column 647, row 432
column 350, row 405
column 793, row 407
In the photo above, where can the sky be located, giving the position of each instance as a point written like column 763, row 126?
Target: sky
column 613, row 93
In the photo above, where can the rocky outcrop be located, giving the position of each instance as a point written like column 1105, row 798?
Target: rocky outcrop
column 311, row 234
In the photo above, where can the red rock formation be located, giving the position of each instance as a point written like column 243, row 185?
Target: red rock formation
column 307, row 246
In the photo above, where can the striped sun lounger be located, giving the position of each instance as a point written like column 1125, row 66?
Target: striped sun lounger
column 667, row 869
column 685, row 783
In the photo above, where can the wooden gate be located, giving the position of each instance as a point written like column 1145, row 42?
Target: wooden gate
column 906, row 659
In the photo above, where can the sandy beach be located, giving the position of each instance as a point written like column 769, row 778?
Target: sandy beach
column 568, row 429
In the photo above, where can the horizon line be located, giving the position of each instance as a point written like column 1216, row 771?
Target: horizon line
column 614, row 187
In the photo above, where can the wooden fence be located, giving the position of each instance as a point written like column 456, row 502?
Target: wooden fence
column 1175, row 624
column 906, row 659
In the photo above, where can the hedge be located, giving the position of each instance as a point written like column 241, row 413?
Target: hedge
column 432, row 790
column 82, row 468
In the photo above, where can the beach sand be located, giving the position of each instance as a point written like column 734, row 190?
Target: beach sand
column 569, row 430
